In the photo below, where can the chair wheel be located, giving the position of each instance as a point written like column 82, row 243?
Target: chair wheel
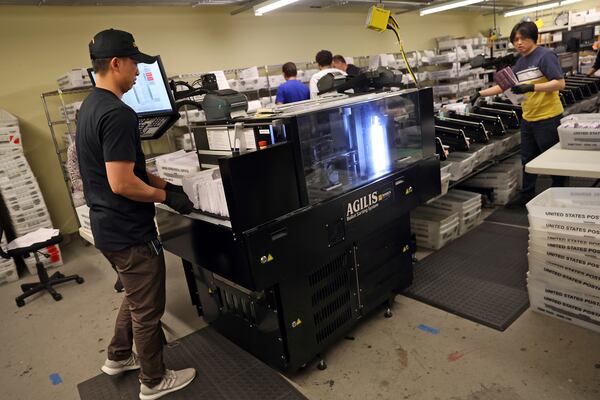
column 322, row 365
column 57, row 296
column 20, row 302
column 79, row 280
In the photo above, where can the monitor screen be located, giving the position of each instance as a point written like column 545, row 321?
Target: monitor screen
column 572, row 34
column 587, row 34
column 150, row 94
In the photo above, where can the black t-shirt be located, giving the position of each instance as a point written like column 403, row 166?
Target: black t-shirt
column 107, row 130
column 352, row 70
column 597, row 62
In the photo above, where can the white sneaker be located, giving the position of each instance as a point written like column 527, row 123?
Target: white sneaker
column 111, row 367
column 171, row 382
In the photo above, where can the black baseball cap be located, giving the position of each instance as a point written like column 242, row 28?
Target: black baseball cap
column 115, row 43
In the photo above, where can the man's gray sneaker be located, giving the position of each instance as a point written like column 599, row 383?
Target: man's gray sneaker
column 171, row 381
column 111, row 367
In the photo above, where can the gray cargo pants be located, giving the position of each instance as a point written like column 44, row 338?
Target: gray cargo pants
column 142, row 273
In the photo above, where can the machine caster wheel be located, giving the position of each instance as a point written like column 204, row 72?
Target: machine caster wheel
column 79, row 280
column 388, row 313
column 322, row 365
column 57, row 296
column 20, row 302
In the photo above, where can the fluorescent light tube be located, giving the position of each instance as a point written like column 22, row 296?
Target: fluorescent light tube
column 447, row 6
column 267, row 6
column 526, row 10
column 567, row 2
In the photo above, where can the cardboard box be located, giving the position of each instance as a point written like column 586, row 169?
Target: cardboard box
column 54, row 259
column 76, row 78
column 7, row 119
column 8, row 273
column 83, row 214
column 564, row 303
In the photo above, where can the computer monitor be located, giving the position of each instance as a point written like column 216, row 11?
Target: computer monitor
column 587, row 35
column 151, row 98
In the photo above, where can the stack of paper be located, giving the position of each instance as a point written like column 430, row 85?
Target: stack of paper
column 506, row 78
column 173, row 167
column 205, row 190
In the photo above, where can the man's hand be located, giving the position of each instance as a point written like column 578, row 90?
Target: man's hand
column 524, row 88
column 591, row 72
column 169, row 187
column 179, row 202
column 473, row 98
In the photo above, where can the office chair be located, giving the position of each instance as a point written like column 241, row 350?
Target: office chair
column 46, row 282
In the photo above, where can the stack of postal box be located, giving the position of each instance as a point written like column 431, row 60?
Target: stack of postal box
column 564, row 255
column 446, row 218
column 10, row 141
column 21, row 194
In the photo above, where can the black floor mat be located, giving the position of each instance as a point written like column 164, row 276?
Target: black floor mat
column 480, row 276
column 517, row 216
column 224, row 371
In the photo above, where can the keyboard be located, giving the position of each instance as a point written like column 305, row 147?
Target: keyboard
column 149, row 126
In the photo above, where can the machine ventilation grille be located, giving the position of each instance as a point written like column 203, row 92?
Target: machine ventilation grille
column 331, row 287
column 237, row 303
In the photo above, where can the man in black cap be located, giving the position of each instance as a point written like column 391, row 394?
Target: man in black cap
column 120, row 194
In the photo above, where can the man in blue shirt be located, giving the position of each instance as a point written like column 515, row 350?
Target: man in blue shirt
column 292, row 90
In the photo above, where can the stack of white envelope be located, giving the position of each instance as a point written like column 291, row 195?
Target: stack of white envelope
column 205, row 190
column 580, row 132
column 173, row 167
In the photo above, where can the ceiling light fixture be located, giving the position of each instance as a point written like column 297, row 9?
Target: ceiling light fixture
column 271, row 5
column 448, row 6
column 538, row 7
column 567, row 2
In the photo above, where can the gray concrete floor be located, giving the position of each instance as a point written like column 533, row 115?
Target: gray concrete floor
column 536, row 358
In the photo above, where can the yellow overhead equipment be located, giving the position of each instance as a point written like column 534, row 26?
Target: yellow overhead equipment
column 380, row 19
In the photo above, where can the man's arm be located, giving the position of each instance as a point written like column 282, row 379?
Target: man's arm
column 123, row 182
column 279, row 98
column 552, row 86
column 156, row 181
column 550, row 67
column 312, row 87
column 596, row 65
column 491, row 91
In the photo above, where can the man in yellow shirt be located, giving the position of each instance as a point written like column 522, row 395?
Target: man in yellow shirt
column 540, row 79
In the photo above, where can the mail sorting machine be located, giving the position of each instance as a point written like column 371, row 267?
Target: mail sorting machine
column 579, row 87
column 486, row 121
column 318, row 233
